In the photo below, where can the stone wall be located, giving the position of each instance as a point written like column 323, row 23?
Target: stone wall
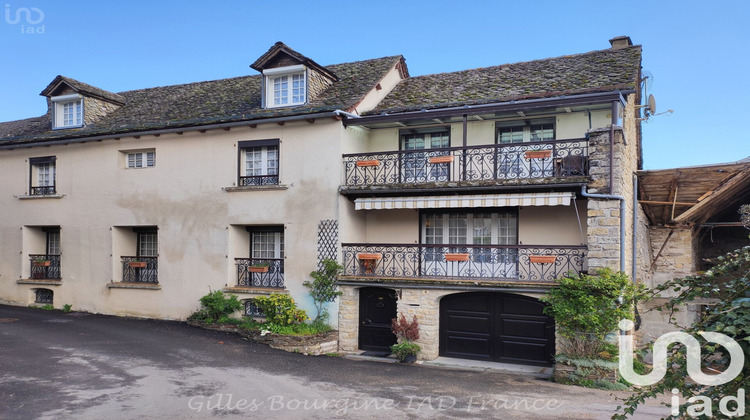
column 316, row 83
column 95, row 109
column 348, row 318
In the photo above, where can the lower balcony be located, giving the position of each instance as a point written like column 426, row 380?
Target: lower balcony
column 503, row 263
column 140, row 270
column 260, row 272
column 45, row 266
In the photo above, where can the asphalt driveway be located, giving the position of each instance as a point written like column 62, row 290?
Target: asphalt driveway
column 55, row 365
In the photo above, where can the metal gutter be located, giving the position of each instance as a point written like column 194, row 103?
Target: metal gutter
column 634, row 263
column 160, row 131
column 570, row 100
column 622, row 219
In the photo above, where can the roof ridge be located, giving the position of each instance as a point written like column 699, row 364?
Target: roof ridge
column 527, row 61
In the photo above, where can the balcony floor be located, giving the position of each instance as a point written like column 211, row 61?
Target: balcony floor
column 446, row 282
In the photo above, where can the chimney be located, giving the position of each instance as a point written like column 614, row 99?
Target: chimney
column 619, row 42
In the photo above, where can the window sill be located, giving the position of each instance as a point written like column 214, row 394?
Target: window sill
column 34, row 197
column 256, row 188
column 254, row 290
column 122, row 285
column 48, row 282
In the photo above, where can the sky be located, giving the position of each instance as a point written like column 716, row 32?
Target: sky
column 697, row 52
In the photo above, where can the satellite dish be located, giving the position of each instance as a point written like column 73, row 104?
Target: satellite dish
column 651, row 107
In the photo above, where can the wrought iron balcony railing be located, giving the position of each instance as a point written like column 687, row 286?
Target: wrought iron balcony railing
column 260, row 272
column 140, row 270
column 45, row 266
column 46, row 190
column 259, row 180
column 560, row 158
column 522, row 263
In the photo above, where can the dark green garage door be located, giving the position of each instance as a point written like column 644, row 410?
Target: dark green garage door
column 496, row 327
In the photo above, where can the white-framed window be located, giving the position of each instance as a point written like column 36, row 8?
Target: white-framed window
column 42, row 175
column 267, row 244
column 419, row 142
column 148, row 243
column 285, row 86
column 67, row 111
column 141, row 159
column 525, row 131
column 259, row 162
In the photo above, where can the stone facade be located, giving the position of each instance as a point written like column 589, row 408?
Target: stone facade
column 95, row 109
column 316, row 83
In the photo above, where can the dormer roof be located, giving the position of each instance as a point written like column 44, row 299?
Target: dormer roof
column 280, row 55
column 60, row 83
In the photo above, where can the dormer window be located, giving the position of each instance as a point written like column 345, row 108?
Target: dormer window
column 67, row 111
column 286, row 86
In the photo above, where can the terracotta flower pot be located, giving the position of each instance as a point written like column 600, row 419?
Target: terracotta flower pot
column 457, row 257
column 543, row 259
column 538, row 154
column 371, row 162
column 137, row 264
column 257, row 269
column 441, row 159
column 42, row 263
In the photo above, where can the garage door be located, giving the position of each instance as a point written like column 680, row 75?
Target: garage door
column 496, row 327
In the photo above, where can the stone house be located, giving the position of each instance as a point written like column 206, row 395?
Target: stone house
column 456, row 197
column 691, row 218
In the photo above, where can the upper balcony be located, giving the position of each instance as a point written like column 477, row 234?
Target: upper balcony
column 556, row 161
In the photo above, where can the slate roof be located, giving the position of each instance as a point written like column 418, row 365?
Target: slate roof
column 227, row 100
column 596, row 71
column 83, row 88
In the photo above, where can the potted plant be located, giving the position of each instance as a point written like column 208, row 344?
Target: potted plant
column 258, row 268
column 369, row 162
column 137, row 263
column 41, row 262
column 407, row 332
column 369, row 260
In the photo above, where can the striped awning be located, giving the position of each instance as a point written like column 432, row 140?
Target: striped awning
column 464, row 201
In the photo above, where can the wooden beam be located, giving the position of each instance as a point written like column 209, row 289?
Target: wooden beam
column 728, row 189
column 672, row 196
column 227, row 128
column 666, row 203
column 157, row 135
column 252, row 125
column 179, row 133
column 202, row 131
column 280, row 123
column 310, row 120
column 658, row 254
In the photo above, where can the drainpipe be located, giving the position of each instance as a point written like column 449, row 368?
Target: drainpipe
column 612, row 146
column 622, row 219
column 635, row 224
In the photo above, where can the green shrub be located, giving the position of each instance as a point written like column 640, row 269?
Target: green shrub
column 280, row 309
column 298, row 329
column 323, row 287
column 67, row 307
column 48, row 307
column 586, row 308
column 215, row 306
column 405, row 348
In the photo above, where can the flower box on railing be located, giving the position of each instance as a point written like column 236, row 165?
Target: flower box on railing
column 369, row 256
column 542, row 259
column 370, row 162
column 457, row 257
column 42, row 263
column 258, row 269
column 441, row 159
column 538, row 154
column 137, row 264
